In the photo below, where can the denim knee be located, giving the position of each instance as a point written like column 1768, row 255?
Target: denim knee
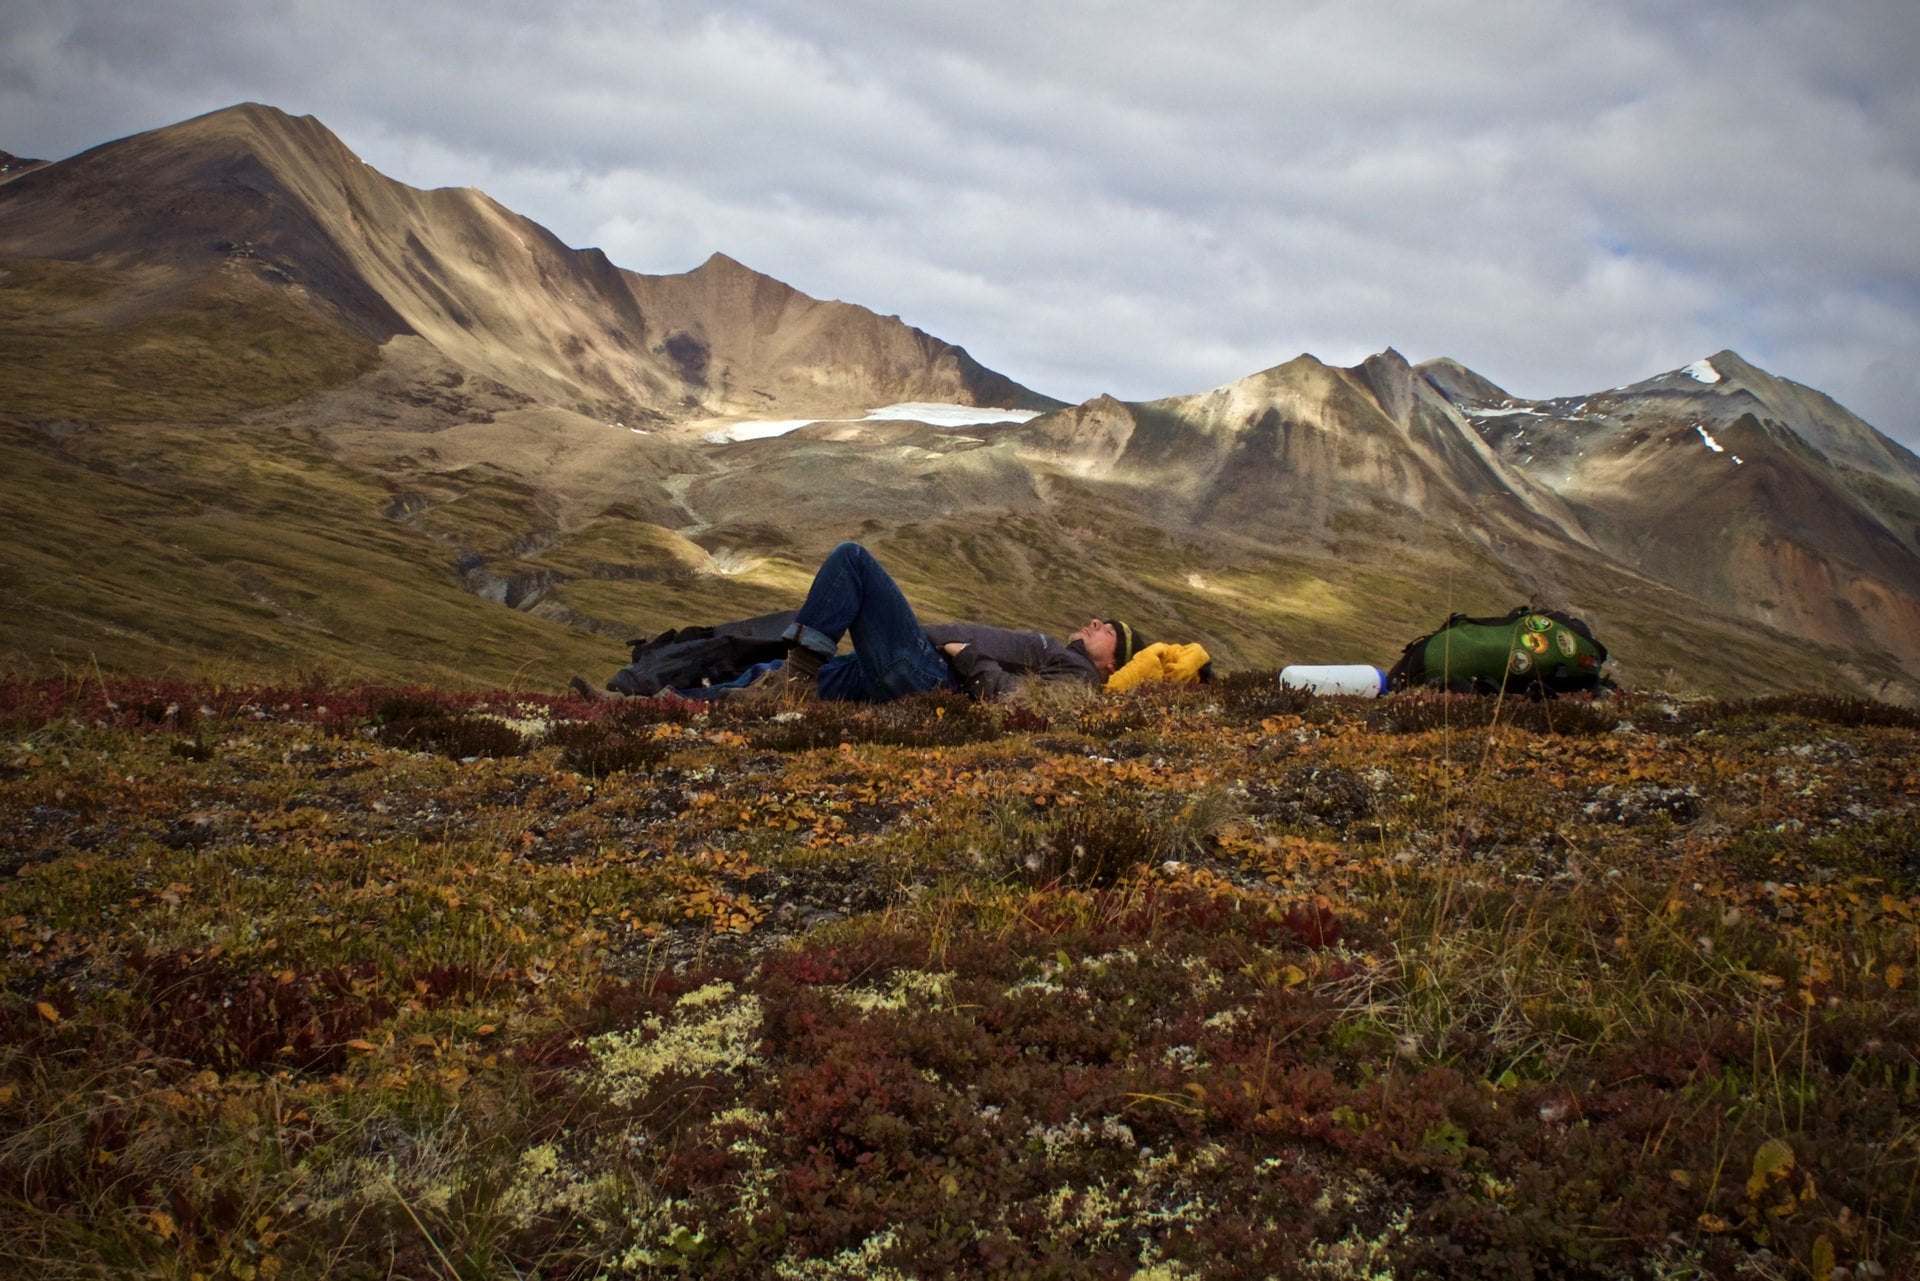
column 848, row 550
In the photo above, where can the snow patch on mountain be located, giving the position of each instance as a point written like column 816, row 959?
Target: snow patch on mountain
column 932, row 413
column 1702, row 371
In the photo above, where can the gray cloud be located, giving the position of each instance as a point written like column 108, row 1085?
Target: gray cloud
column 1130, row 196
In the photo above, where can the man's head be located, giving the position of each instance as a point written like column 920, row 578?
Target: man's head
column 1109, row 643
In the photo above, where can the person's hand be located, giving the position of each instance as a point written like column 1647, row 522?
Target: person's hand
column 954, row 647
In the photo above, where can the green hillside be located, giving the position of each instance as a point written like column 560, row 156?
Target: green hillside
column 228, row 553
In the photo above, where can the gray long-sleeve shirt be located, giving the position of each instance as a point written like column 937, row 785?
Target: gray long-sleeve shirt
column 997, row 659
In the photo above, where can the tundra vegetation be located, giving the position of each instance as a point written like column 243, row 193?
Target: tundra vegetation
column 343, row 981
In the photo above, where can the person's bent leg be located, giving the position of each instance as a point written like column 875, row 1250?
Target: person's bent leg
column 848, row 582
column 834, row 599
column 854, row 594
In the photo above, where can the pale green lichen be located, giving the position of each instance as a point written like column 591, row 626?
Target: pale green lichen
column 1106, row 960
column 1170, row 1270
column 657, row 1231
column 860, row 1263
column 546, row 1185
column 1226, row 1020
column 661, row 1241
column 1202, row 974
column 527, row 720
column 907, row 987
column 711, row 994
column 709, row 1030
column 752, row 1120
column 1356, row 1256
column 754, row 1191
column 1159, row 1192
column 1093, row 1212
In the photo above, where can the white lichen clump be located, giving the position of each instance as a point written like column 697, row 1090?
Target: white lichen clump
column 906, row 988
column 709, row 1030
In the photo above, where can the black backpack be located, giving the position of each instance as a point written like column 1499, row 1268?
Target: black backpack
column 1538, row 653
column 688, row 657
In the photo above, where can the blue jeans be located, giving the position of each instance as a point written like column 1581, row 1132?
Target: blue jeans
column 892, row 656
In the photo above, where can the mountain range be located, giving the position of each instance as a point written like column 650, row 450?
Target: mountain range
column 266, row 411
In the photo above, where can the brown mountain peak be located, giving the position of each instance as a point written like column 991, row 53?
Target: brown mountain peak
column 1729, row 361
column 1460, row 384
column 1391, row 380
column 718, row 263
column 199, row 148
column 241, row 116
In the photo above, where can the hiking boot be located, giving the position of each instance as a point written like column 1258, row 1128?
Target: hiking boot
column 795, row 681
column 593, row 693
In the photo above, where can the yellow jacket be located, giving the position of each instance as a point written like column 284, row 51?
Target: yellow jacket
column 1163, row 662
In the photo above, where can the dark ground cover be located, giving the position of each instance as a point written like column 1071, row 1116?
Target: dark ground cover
column 1213, row 982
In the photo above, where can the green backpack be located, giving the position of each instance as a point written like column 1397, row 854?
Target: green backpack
column 1538, row 653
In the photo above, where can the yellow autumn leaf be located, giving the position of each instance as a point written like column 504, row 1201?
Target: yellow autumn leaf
column 1895, row 975
column 1822, row 1257
column 162, row 1224
column 1771, row 1162
column 1292, row 976
column 47, row 1011
column 360, row 1043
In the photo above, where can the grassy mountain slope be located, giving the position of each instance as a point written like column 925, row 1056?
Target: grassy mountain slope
column 128, row 344
column 201, row 551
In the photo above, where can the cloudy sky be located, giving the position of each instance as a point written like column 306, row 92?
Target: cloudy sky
column 1143, row 197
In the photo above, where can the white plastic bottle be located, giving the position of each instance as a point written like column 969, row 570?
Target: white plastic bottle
column 1337, row 678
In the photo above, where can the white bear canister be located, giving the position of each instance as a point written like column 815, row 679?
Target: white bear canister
column 1336, row 678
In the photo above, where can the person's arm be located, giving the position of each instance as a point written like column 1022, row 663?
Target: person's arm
column 981, row 677
column 990, row 672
